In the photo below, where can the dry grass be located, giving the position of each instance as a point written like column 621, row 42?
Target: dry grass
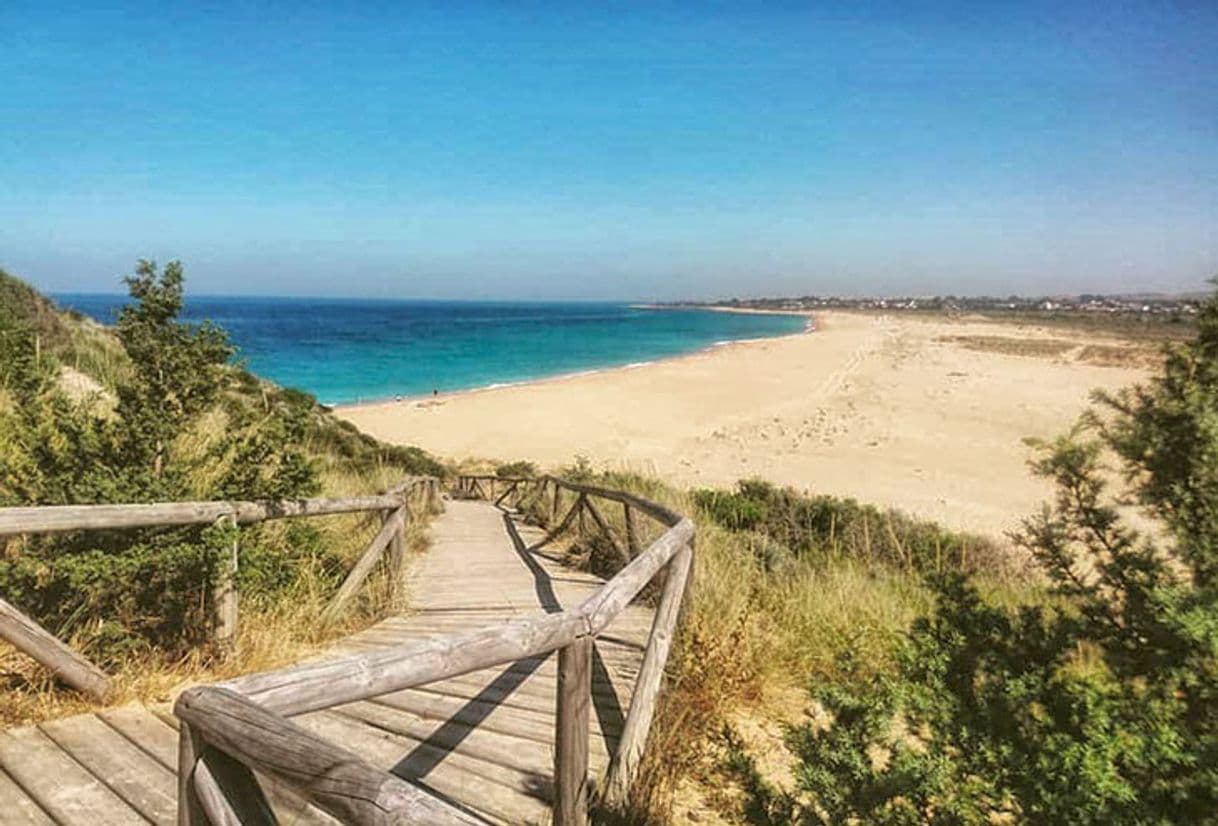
column 1127, row 353
column 1009, row 345
column 270, row 635
column 750, row 641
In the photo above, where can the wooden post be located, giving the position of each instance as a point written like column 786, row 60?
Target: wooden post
column 364, row 565
column 28, row 636
column 625, row 763
column 555, row 504
column 190, row 749
column 397, row 554
column 583, row 519
column 571, row 733
column 595, row 513
column 503, row 497
column 228, row 792
column 632, row 531
column 224, row 597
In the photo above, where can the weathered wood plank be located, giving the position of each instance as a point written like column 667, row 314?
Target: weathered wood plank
column 507, row 794
column 18, row 808
column 67, row 665
column 465, row 714
column 488, row 747
column 571, row 733
column 143, row 783
column 150, row 733
column 483, row 736
column 60, row 785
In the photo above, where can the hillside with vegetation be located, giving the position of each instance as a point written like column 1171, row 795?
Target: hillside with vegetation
column 836, row 662
column 158, row 410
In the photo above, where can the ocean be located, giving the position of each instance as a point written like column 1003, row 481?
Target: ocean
column 354, row 350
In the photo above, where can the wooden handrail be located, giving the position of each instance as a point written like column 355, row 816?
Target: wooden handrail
column 653, row 509
column 332, row 778
column 328, row 683
column 78, row 672
column 65, row 518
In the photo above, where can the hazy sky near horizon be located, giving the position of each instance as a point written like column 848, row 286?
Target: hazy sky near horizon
column 655, row 151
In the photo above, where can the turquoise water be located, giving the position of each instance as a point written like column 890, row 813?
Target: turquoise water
column 347, row 350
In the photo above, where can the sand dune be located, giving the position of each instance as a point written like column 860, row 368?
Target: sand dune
column 928, row 416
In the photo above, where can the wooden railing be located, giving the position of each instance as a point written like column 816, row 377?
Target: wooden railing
column 234, row 729
column 396, row 504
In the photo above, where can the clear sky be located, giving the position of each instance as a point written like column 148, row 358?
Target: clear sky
column 657, row 151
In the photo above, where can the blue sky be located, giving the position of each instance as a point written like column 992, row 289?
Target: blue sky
column 653, row 151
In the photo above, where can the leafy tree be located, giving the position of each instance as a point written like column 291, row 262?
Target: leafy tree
column 178, row 371
column 132, row 590
column 1097, row 706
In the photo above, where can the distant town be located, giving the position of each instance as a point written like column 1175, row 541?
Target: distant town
column 1142, row 304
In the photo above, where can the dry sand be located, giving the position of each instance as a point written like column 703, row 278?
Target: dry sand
column 891, row 410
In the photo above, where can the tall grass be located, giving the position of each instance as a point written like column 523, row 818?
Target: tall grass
column 816, row 589
column 272, row 632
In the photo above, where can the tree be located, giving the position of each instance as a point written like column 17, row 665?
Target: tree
column 178, row 369
column 134, row 590
column 1097, row 704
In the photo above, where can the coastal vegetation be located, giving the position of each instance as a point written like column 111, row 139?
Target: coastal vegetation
column 842, row 663
column 1134, row 316
column 786, row 584
column 837, row 661
column 155, row 410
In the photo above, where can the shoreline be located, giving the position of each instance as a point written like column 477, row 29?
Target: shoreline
column 719, row 308
column 422, row 401
column 929, row 417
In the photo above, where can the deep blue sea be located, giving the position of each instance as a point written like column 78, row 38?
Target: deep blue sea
column 351, row 350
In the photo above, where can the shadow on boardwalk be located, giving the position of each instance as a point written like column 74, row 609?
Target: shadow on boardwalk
column 483, row 741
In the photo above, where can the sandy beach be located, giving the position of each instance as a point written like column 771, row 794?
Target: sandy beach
column 929, row 416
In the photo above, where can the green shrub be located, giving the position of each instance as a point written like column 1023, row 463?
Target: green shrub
column 516, row 470
column 129, row 591
column 1100, row 706
column 825, row 526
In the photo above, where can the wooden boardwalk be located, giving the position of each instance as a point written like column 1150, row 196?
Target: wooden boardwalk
column 484, row 741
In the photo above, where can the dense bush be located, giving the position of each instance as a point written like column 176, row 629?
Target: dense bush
column 132, row 590
column 822, row 526
column 516, row 470
column 1098, row 707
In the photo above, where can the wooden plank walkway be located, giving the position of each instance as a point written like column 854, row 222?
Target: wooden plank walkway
column 484, row 741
